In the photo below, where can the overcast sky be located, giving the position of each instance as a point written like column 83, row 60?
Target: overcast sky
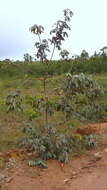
column 89, row 27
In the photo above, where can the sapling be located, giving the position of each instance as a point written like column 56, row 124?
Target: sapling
column 58, row 35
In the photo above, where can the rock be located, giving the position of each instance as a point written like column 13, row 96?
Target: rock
column 98, row 156
column 66, row 180
column 74, row 173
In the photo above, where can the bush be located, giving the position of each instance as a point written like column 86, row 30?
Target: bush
column 50, row 144
column 81, row 97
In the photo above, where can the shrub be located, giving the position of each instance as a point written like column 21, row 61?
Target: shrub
column 53, row 145
column 81, row 97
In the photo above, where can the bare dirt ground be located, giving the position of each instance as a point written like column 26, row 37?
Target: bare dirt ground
column 86, row 172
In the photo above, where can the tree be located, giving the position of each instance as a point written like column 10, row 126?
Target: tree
column 64, row 54
column 27, row 57
column 84, row 54
column 104, row 50
column 58, row 35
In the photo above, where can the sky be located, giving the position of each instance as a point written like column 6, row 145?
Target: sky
column 88, row 25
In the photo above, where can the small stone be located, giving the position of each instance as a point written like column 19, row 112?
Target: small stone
column 74, row 173
column 98, row 156
column 29, row 154
column 105, row 150
column 66, row 180
column 9, row 179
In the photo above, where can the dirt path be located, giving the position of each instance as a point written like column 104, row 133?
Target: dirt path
column 87, row 172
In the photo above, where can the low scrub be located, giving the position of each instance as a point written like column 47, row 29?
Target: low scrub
column 50, row 144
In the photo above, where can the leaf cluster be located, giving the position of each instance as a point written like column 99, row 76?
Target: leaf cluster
column 14, row 102
column 37, row 29
column 42, row 48
column 59, row 32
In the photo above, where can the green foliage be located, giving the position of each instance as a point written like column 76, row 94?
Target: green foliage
column 14, row 102
column 97, row 64
column 51, row 144
column 64, row 54
column 40, row 163
column 74, row 123
column 94, row 64
column 36, row 101
column 32, row 114
column 84, row 55
column 27, row 57
column 38, row 104
column 81, row 84
column 81, row 97
column 91, row 141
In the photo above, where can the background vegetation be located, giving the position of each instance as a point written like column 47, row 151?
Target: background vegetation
column 91, row 65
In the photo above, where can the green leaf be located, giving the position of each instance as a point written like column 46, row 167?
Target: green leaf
column 41, row 163
column 42, row 148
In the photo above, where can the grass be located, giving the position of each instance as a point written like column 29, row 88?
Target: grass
column 11, row 123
